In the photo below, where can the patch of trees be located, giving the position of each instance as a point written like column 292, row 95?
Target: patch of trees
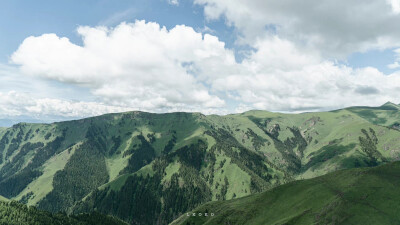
column 368, row 144
column 27, row 135
column 210, row 159
column 192, row 155
column 171, row 143
column 85, row 171
column 13, row 185
column 249, row 161
column 141, row 156
column 151, row 137
column 18, row 161
column 15, row 142
column 144, row 200
column 136, row 202
column 26, row 197
column 117, row 143
column 50, row 149
column 224, row 190
column 12, row 179
column 257, row 141
column 3, row 143
column 185, row 192
column 47, row 136
column 14, row 213
column 286, row 148
column 97, row 137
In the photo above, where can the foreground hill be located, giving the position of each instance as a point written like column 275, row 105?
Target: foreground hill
column 354, row 196
column 13, row 213
column 151, row 168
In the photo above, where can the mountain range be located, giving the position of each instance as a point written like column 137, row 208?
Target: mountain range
column 146, row 168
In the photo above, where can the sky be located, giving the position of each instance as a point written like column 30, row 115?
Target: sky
column 70, row 59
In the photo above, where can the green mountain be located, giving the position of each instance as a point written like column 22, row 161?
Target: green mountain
column 14, row 213
column 353, row 196
column 149, row 168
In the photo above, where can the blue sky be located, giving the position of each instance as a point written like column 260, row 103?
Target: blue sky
column 21, row 18
column 212, row 56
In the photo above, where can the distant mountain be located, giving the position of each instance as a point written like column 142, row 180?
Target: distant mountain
column 149, row 168
column 385, row 115
column 9, row 121
column 353, row 196
column 391, row 105
column 14, row 213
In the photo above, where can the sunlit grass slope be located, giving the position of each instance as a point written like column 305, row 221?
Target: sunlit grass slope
column 354, row 196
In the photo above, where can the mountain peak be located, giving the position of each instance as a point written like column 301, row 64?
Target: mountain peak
column 391, row 105
column 388, row 103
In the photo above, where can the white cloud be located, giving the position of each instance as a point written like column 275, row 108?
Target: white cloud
column 395, row 5
column 140, row 64
column 147, row 67
column 279, row 76
column 173, row 2
column 335, row 28
column 17, row 104
column 396, row 64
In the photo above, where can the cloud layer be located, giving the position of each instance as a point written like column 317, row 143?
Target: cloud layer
column 336, row 28
column 144, row 66
column 141, row 64
column 15, row 104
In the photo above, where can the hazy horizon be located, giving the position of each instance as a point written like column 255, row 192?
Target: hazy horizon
column 4, row 122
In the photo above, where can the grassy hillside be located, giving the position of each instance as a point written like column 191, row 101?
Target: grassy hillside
column 151, row 168
column 354, row 196
column 385, row 115
column 14, row 213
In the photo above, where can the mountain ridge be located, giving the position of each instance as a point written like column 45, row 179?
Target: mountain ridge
column 81, row 165
column 389, row 103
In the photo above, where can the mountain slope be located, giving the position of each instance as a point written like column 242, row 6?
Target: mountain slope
column 3, row 199
column 354, row 196
column 150, row 168
column 385, row 115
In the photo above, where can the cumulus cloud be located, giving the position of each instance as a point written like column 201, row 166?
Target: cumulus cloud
column 14, row 104
column 396, row 64
column 335, row 28
column 281, row 77
column 147, row 67
column 140, row 64
column 395, row 5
